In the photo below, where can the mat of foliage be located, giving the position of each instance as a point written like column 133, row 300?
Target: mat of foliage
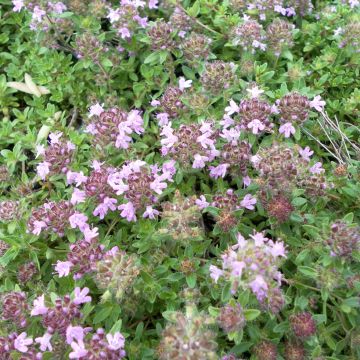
column 179, row 179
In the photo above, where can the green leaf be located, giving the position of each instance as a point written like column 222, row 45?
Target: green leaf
column 226, row 292
column 298, row 201
column 102, row 314
column 191, row 280
column 308, row 271
column 251, row 314
column 195, row 9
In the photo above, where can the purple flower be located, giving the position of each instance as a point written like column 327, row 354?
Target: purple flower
column 63, row 268
column 150, row 212
column 199, row 161
column 218, row 171
column 237, row 268
column 306, row 153
column 102, row 209
column 158, row 185
column 317, row 103
column 81, row 296
column 202, row 203
column 153, row 4
column 317, row 168
column 278, row 249
column 21, row 342
column 78, row 196
column 79, row 350
column 75, row 177
column 128, row 211
column 90, row 233
column 246, row 181
column 256, row 126
column 96, row 109
column 259, row 287
column 155, row 103
column 259, row 238
column 231, row 135
column 43, row 169
column 287, row 129
column 38, row 14
column 55, row 137
column 44, row 342
column 215, row 273
column 232, row 108
column 18, row 5
column 124, row 33
column 116, row 341
column 38, row 226
column 39, row 306
column 74, row 333
column 184, row 84
column 78, row 220
column 248, row 202
column 163, row 118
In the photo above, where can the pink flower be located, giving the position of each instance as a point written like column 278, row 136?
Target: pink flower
column 81, row 296
column 201, row 202
column 155, row 103
column 153, row 4
column 90, row 233
column 91, row 129
column 38, row 14
column 248, row 202
column 38, row 226
column 63, row 268
column 259, row 287
column 39, row 306
column 114, row 15
column 258, row 238
column 317, row 168
column 232, row 108
column 96, row 165
column 21, row 342
column 128, row 211
column 278, row 249
column 150, row 212
column 199, row 161
column 102, row 209
column 74, row 333
column 317, row 103
column 305, row 153
column 78, row 196
column 18, row 5
column 163, row 119
column 231, row 135
column 96, row 109
column 246, row 181
column 78, row 220
column 254, row 92
column 237, row 268
column 79, row 350
column 124, row 33
column 256, row 126
column 55, row 137
column 44, row 342
column 218, row 171
column 116, row 341
column 158, row 185
column 75, row 177
column 184, row 84
column 215, row 273
column 287, row 129
column 43, row 169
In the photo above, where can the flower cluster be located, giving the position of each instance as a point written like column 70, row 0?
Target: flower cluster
column 303, row 324
column 253, row 264
column 196, row 47
column 188, row 338
column 181, row 218
column 9, row 210
column 218, row 76
column 26, row 272
column 116, row 273
column 190, row 145
column 343, row 240
column 279, row 36
column 140, row 185
column 161, row 35
column 231, row 318
column 126, row 19
column 227, row 204
column 15, row 308
column 250, row 36
column 282, row 168
column 266, row 350
column 51, row 217
column 56, row 157
column 114, row 126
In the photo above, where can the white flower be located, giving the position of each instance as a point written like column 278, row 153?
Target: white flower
column 184, row 84
column 254, row 92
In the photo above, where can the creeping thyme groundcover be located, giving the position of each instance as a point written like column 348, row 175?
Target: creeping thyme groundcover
column 179, row 179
